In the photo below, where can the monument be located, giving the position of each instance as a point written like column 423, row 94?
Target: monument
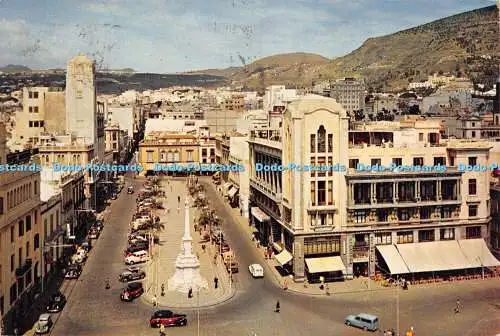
column 187, row 274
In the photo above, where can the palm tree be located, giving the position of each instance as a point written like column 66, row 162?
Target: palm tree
column 200, row 202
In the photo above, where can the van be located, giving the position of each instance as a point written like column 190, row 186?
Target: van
column 363, row 321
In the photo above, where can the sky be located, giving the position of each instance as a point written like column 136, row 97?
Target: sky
column 168, row 36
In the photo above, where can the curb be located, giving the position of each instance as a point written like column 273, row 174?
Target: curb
column 145, row 298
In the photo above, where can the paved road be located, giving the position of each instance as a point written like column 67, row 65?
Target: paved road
column 92, row 310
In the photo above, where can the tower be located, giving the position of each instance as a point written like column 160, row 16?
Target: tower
column 81, row 110
column 187, row 274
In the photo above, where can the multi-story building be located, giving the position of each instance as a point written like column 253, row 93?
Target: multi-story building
column 349, row 92
column 20, row 239
column 336, row 222
column 495, row 220
column 169, row 148
column 235, row 102
column 222, row 144
column 117, row 142
column 53, row 233
column 238, row 194
column 43, row 111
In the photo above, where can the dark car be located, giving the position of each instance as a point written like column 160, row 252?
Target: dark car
column 132, row 291
column 167, row 318
column 73, row 272
column 56, row 303
column 132, row 274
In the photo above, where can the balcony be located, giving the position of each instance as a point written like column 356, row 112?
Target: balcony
column 265, row 189
column 20, row 271
column 360, row 253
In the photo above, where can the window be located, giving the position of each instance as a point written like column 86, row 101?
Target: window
column 313, row 193
column 330, row 143
column 35, row 95
column 30, row 123
column 384, row 238
column 418, row 161
column 472, row 161
column 35, row 109
column 28, row 223
column 163, row 156
column 473, row 134
column 473, row 232
column 313, row 143
column 36, row 188
column 149, row 156
column 353, row 163
column 12, row 262
column 445, row 212
column 330, row 192
column 21, row 228
column 397, row 161
column 212, row 151
column 177, row 156
column 20, row 256
column 472, row 187
column 1, row 205
column 321, row 139
column 425, row 235
column 420, row 136
column 447, row 234
column 321, row 193
column 27, row 249
column 30, row 94
column 405, row 237
column 473, row 124
column 12, row 234
column 114, row 145
column 359, row 216
column 472, row 210
column 114, row 136
column 36, row 242
column 439, row 161
column 190, row 155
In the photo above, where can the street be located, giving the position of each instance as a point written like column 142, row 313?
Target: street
column 93, row 310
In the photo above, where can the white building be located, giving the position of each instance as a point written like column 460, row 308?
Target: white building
column 170, row 125
column 239, row 155
column 349, row 92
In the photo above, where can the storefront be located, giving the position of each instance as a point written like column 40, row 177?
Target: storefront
column 322, row 259
column 261, row 221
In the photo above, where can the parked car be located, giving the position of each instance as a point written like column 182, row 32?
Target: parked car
column 136, row 248
column 167, row 318
column 44, row 324
column 137, row 258
column 132, row 274
column 56, row 303
column 73, row 272
column 225, row 248
column 256, row 270
column 363, row 321
column 132, row 291
column 134, row 239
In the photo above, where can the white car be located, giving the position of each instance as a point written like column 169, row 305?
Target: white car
column 256, row 270
column 137, row 258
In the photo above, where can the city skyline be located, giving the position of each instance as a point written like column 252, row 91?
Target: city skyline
column 120, row 34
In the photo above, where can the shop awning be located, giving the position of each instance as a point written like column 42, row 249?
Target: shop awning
column 277, row 247
column 259, row 214
column 325, row 264
column 284, row 257
column 478, row 253
column 232, row 191
column 434, row 256
column 393, row 259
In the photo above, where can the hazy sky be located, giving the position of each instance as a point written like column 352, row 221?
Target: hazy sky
column 180, row 35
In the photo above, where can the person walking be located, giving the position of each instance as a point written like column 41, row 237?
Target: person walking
column 216, row 282
column 155, row 301
column 277, row 310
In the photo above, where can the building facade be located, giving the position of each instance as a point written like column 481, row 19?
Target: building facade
column 349, row 92
column 343, row 215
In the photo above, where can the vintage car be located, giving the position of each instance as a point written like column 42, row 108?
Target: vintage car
column 132, row 291
column 132, row 274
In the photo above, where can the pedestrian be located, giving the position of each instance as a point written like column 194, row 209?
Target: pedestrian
column 178, row 199
column 190, row 293
column 155, row 301
column 162, row 290
column 216, row 282
column 277, row 310
column 458, row 306
column 108, row 286
column 204, row 247
column 162, row 330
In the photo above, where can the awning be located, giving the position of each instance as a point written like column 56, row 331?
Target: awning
column 393, row 259
column 277, row 247
column 284, row 257
column 434, row 256
column 325, row 264
column 232, row 191
column 227, row 186
column 259, row 214
column 478, row 253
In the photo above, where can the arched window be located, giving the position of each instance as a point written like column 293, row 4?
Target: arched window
column 321, row 139
column 163, row 156
column 170, row 156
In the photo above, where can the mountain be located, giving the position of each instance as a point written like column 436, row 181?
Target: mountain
column 276, row 69
column 465, row 44
column 11, row 68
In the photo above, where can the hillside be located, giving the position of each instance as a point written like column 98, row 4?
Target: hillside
column 463, row 44
column 11, row 68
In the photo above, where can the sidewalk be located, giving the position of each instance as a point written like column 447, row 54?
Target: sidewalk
column 162, row 266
